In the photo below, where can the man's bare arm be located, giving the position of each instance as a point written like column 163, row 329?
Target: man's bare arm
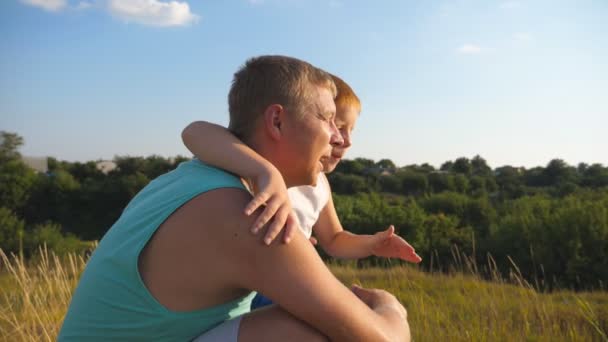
column 295, row 277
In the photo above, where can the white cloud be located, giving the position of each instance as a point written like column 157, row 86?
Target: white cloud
column 510, row 5
column 470, row 49
column 49, row 5
column 255, row 2
column 153, row 12
column 84, row 5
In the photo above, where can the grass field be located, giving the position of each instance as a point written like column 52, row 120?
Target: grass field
column 457, row 307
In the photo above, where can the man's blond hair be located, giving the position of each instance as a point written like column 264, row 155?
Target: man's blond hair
column 267, row 80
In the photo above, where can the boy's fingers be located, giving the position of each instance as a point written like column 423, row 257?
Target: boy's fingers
column 275, row 227
column 411, row 256
column 265, row 216
column 290, row 227
column 257, row 201
column 313, row 240
column 415, row 258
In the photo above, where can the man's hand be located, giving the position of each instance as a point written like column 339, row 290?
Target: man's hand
column 389, row 308
column 270, row 191
column 379, row 300
column 390, row 245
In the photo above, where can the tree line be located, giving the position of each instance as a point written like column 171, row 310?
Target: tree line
column 551, row 222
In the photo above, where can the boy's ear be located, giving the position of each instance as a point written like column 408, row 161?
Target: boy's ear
column 273, row 120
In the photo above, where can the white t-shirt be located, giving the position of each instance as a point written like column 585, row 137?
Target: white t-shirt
column 308, row 201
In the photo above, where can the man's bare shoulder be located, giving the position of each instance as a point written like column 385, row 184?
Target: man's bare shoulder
column 213, row 213
column 188, row 263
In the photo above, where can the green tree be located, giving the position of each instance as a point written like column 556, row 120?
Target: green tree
column 53, row 198
column 447, row 203
column 477, row 186
column 439, row 236
column 461, row 183
column 390, row 184
column 350, row 167
column 557, row 172
column 50, row 235
column 462, row 165
column 480, row 167
column 510, row 182
column 155, row 166
column 347, row 183
column 441, row 181
column 16, row 178
column 413, row 183
column 595, row 176
column 11, row 230
column 386, row 164
column 447, row 166
column 9, row 146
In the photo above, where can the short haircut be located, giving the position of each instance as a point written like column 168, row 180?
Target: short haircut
column 266, row 80
column 346, row 96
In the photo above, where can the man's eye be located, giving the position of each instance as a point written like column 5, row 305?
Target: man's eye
column 324, row 117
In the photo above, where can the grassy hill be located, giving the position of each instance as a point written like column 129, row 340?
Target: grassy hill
column 457, row 307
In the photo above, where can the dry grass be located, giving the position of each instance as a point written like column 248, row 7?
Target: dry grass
column 34, row 297
column 462, row 307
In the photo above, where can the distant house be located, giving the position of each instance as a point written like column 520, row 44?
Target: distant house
column 379, row 171
column 509, row 169
column 105, row 166
column 40, row 164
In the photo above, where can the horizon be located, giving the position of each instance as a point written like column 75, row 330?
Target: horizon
column 437, row 167
column 518, row 83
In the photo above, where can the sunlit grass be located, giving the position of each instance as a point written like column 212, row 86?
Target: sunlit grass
column 466, row 308
column 34, row 296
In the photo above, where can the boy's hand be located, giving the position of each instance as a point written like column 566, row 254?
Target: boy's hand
column 270, row 191
column 389, row 245
column 313, row 240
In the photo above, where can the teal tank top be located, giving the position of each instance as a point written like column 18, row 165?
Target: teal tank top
column 111, row 302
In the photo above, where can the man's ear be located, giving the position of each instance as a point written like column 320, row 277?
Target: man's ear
column 273, row 120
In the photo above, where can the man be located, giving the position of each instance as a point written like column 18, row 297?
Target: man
column 181, row 263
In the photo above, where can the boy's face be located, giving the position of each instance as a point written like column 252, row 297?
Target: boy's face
column 346, row 117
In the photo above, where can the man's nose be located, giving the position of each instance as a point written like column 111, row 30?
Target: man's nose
column 336, row 138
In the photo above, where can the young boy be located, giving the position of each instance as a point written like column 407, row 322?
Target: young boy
column 313, row 207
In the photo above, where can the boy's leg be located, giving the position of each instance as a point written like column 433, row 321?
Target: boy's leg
column 268, row 324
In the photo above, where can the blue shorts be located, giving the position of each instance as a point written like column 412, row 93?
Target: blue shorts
column 227, row 331
column 260, row 301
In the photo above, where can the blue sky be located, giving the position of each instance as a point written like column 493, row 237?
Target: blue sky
column 517, row 82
